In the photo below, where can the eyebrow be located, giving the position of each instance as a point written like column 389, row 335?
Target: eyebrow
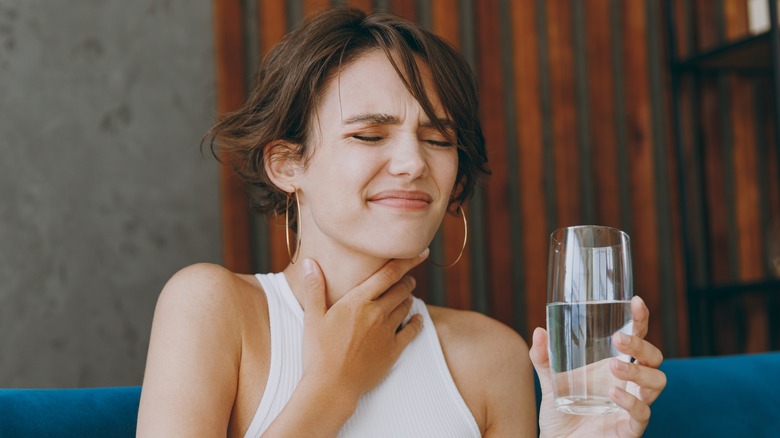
column 389, row 119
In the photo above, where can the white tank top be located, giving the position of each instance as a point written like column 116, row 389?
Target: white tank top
column 418, row 398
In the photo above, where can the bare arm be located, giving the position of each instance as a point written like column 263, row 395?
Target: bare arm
column 511, row 402
column 194, row 352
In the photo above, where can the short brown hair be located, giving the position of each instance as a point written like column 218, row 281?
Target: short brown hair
column 294, row 74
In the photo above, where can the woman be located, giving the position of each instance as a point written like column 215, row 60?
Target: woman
column 363, row 131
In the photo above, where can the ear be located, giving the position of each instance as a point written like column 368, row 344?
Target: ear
column 282, row 165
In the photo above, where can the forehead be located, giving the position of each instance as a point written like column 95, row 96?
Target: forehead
column 371, row 83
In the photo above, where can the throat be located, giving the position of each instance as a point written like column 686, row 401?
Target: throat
column 342, row 275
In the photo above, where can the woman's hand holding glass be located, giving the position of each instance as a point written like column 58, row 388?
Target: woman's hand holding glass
column 645, row 383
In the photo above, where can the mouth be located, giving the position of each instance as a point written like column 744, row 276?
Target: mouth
column 402, row 199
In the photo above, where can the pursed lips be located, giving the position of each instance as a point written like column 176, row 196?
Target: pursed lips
column 402, row 199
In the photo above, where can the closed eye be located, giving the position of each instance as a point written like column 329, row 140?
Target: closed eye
column 439, row 143
column 367, row 138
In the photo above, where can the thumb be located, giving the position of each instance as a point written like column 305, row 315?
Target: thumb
column 540, row 358
column 314, row 295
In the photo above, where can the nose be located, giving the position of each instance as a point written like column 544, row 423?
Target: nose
column 408, row 158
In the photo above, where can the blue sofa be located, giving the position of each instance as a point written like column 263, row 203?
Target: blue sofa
column 736, row 396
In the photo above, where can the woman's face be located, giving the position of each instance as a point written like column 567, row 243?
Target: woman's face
column 379, row 177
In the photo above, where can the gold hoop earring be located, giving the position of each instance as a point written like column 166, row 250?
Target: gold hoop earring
column 287, row 227
column 465, row 239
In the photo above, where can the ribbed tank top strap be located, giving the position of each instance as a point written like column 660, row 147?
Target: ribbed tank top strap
column 449, row 383
column 286, row 324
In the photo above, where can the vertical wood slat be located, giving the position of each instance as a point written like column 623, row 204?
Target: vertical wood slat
column 712, row 154
column 312, row 7
column 446, row 24
column 773, row 214
column 744, row 158
column 772, row 168
column 272, row 26
column 749, row 229
column 229, row 59
column 644, row 241
column 706, row 16
column 404, row 8
column 693, row 173
column 602, row 108
column 663, row 209
column 530, row 164
column 564, row 112
column 717, row 253
column 680, row 327
column 364, row 5
column 496, row 187
column 515, row 232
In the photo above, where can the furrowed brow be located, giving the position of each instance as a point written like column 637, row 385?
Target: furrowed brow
column 373, row 119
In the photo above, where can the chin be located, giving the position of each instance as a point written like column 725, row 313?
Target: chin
column 398, row 250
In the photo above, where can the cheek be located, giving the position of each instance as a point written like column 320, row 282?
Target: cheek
column 445, row 170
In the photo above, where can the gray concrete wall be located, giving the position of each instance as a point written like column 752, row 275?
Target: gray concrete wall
column 103, row 191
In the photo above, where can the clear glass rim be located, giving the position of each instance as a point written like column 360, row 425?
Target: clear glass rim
column 622, row 233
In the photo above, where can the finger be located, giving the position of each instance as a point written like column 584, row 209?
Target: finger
column 541, row 359
column 388, row 275
column 397, row 294
column 314, row 294
column 643, row 351
column 641, row 316
column 650, row 380
column 408, row 333
column 398, row 314
column 638, row 411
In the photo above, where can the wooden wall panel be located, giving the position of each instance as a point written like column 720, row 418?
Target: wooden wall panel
column 457, row 281
column 538, row 113
column 602, row 112
column 404, row 8
column 363, row 5
column 229, row 59
column 748, row 219
column 530, row 166
column 564, row 113
column 272, row 26
column 311, row 7
column 683, row 42
column 496, row 187
column 772, row 168
column 644, row 229
column 749, row 229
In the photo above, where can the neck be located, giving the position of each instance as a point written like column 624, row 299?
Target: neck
column 342, row 268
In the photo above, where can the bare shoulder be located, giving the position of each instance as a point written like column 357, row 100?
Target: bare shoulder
column 478, row 342
column 206, row 283
column 490, row 365
column 199, row 333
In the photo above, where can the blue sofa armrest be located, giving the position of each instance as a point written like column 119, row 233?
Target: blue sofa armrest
column 731, row 396
column 83, row 412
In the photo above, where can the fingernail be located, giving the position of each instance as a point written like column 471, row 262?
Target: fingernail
column 623, row 339
column 617, row 392
column 308, row 267
column 619, row 364
column 425, row 253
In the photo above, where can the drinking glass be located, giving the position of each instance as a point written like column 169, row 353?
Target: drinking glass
column 589, row 289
